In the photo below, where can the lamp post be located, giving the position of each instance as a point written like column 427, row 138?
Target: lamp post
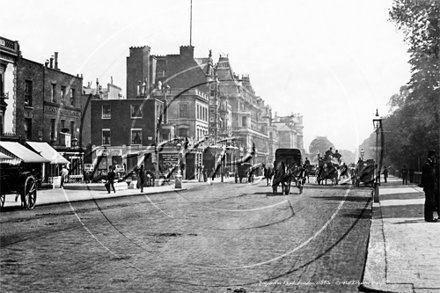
column 377, row 122
column 178, row 177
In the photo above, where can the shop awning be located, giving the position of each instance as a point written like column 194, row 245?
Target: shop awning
column 19, row 152
column 47, row 152
column 5, row 158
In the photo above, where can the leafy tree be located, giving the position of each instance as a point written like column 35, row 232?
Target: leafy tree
column 319, row 146
column 413, row 123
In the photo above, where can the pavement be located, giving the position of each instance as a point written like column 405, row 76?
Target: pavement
column 84, row 192
column 403, row 250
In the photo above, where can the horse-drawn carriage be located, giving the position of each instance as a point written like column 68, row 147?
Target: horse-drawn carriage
column 327, row 170
column 288, row 168
column 19, row 173
column 243, row 172
column 364, row 172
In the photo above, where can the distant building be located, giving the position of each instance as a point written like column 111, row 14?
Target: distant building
column 290, row 131
column 246, row 112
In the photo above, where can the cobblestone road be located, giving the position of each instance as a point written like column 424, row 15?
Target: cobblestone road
column 202, row 240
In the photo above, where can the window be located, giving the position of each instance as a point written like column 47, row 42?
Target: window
column 136, row 136
column 72, row 128
column 72, row 97
column 106, row 112
column 198, row 112
column 28, row 93
column 53, row 92
column 183, row 110
column 136, row 111
column 166, row 134
column 52, row 130
column 106, row 137
column 28, row 128
column 183, row 132
column 63, row 94
column 244, row 121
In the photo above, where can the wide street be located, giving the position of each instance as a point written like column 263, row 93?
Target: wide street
column 204, row 239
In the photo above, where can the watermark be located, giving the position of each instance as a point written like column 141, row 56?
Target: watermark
column 317, row 283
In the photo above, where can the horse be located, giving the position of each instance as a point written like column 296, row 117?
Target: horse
column 327, row 170
column 284, row 175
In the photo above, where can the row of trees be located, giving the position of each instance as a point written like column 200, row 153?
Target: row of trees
column 412, row 126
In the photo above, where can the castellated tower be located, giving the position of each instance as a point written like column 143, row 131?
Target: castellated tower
column 140, row 69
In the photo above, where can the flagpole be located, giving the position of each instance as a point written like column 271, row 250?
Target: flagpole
column 190, row 25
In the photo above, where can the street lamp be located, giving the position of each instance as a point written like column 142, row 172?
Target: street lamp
column 377, row 123
column 178, row 177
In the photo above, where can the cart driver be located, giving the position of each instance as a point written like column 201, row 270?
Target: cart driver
column 329, row 154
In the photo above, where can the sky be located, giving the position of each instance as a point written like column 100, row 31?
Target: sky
column 334, row 62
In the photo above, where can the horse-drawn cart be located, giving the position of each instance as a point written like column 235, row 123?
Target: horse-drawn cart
column 327, row 170
column 243, row 172
column 288, row 168
column 19, row 173
column 364, row 172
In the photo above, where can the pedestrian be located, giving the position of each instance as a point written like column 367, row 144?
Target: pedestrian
column 64, row 176
column 141, row 178
column 404, row 174
column 411, row 175
column 111, row 179
column 385, row 173
column 205, row 175
column 430, row 186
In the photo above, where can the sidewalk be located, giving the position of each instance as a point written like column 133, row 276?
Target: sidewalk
column 71, row 194
column 403, row 250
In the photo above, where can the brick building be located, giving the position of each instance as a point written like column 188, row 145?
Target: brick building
column 182, row 83
column 42, row 104
column 123, row 132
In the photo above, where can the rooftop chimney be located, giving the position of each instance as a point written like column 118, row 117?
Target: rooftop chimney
column 56, row 60
column 51, row 61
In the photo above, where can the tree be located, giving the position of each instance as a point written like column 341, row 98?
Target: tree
column 319, row 146
column 414, row 120
column 419, row 21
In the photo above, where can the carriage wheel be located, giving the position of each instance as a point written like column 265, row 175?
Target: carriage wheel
column 2, row 200
column 30, row 193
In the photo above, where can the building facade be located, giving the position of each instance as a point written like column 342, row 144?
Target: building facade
column 41, row 103
column 123, row 132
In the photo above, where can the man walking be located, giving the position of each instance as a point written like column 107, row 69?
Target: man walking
column 110, row 179
column 404, row 175
column 141, row 177
column 64, row 176
column 430, row 186
column 385, row 173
